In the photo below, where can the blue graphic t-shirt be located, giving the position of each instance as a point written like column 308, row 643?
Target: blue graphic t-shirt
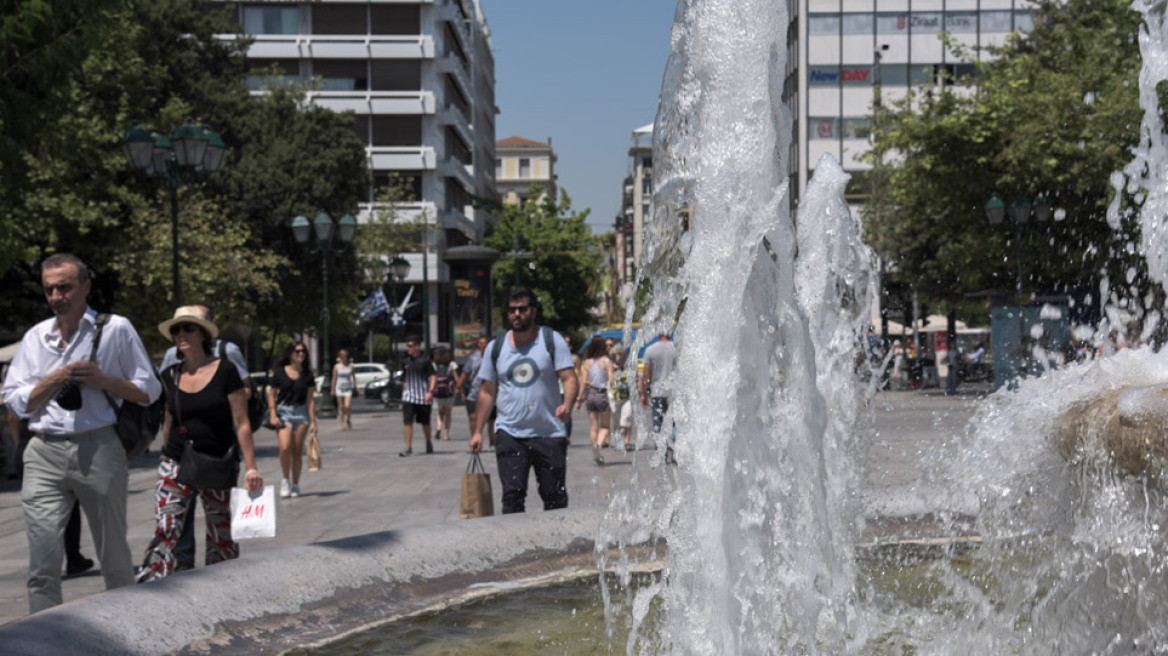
column 528, row 386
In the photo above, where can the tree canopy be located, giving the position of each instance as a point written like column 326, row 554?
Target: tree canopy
column 1053, row 112
column 76, row 76
column 559, row 263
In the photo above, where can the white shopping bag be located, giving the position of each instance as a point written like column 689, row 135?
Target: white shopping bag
column 253, row 514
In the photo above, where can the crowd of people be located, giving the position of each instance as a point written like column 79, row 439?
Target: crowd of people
column 74, row 371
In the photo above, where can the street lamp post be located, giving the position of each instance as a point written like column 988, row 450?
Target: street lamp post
column 191, row 150
column 1019, row 211
column 323, row 226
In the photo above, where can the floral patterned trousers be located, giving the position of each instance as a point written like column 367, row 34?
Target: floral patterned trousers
column 173, row 501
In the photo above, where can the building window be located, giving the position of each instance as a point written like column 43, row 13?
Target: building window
column 394, row 130
column 396, row 74
column 855, row 128
column 858, row 23
column 361, row 127
column 271, row 20
column 824, row 127
column 1023, row 21
column 455, row 148
column 524, row 167
column 394, row 19
column 996, row 21
column 339, row 19
column 926, row 22
column 498, row 168
column 894, row 75
column 961, row 22
column 891, row 23
column 266, row 73
column 341, row 74
column 823, row 24
column 408, row 183
column 456, row 197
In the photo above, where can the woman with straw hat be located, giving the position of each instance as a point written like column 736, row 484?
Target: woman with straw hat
column 206, row 412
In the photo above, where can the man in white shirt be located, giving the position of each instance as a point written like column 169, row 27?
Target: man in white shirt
column 75, row 452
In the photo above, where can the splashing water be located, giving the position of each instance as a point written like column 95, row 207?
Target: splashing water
column 762, row 517
column 760, row 555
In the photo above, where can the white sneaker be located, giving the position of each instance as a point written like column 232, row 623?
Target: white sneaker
column 285, row 488
column 295, row 491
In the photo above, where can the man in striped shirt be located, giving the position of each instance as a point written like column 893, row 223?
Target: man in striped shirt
column 417, row 394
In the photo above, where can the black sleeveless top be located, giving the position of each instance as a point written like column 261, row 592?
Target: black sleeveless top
column 206, row 414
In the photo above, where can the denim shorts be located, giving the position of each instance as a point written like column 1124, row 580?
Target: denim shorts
column 293, row 415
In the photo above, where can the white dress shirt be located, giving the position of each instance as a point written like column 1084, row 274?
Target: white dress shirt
column 120, row 354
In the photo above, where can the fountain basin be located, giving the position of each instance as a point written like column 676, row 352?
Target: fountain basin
column 271, row 602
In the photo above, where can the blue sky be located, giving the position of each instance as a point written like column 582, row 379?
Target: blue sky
column 585, row 74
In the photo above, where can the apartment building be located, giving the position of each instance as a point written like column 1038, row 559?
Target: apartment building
column 521, row 163
column 838, row 51
column 420, row 77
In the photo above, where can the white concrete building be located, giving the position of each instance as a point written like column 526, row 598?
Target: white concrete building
column 419, row 75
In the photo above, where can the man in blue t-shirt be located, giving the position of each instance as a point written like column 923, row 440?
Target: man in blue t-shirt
column 522, row 373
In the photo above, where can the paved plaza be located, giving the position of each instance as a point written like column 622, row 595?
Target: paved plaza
column 365, row 487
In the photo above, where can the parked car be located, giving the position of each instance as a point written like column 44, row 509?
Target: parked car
column 363, row 374
column 385, row 388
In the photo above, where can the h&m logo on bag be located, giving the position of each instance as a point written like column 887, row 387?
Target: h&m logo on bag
column 253, row 510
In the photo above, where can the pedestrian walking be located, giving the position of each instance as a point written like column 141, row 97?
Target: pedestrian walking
column 471, row 382
column 206, row 414
column 596, row 373
column 342, row 389
column 69, row 392
column 659, row 359
column 417, row 394
column 619, row 393
column 445, row 386
column 185, row 551
column 522, row 372
column 292, row 404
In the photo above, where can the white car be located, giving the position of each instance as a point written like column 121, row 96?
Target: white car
column 363, row 374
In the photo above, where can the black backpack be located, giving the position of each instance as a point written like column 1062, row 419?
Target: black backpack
column 137, row 424
column 443, row 381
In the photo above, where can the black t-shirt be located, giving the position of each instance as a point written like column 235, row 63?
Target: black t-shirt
column 291, row 391
column 206, row 414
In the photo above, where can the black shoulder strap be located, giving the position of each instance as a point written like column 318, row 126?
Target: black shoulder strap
column 100, row 322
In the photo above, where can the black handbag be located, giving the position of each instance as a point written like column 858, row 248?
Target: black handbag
column 257, row 409
column 197, row 469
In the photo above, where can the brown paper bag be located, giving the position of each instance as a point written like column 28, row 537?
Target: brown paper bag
column 477, row 500
column 313, row 453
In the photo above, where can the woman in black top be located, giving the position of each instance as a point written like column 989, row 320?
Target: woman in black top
column 293, row 407
column 206, row 404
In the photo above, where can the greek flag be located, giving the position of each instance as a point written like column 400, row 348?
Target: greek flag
column 373, row 306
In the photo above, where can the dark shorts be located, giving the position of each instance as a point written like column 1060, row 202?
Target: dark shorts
column 596, row 400
column 416, row 412
column 470, row 410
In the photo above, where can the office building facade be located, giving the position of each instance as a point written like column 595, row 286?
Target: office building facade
column 419, row 78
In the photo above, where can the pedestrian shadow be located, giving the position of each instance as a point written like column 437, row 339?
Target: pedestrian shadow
column 331, row 493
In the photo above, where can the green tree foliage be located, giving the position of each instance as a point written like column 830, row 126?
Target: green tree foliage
column 564, row 262
column 159, row 62
column 1055, row 112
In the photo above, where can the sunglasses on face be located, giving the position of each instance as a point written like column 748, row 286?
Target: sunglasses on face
column 299, row 352
column 521, row 309
column 183, row 328
column 60, row 289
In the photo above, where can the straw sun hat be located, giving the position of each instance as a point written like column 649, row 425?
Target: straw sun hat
column 189, row 314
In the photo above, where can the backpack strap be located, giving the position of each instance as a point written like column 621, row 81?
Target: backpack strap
column 100, row 322
column 548, row 335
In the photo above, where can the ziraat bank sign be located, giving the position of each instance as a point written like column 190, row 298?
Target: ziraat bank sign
column 829, row 76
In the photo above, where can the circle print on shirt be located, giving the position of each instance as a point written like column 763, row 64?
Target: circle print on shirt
column 524, row 372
